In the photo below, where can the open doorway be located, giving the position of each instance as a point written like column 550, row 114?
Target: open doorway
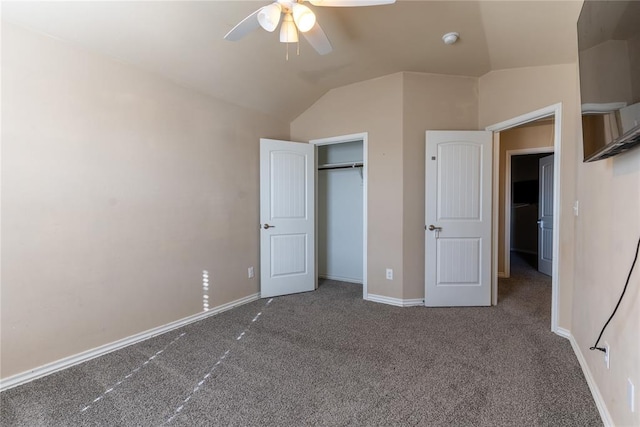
column 523, row 220
column 526, row 199
column 553, row 112
column 341, row 209
column 526, row 223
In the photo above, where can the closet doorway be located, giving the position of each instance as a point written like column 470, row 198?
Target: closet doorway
column 341, row 209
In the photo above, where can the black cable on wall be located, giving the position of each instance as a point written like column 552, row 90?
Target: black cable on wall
column 595, row 346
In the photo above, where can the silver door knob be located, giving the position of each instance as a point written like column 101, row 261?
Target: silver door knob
column 267, row 226
column 434, row 228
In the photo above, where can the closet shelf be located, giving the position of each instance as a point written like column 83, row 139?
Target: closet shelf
column 340, row 165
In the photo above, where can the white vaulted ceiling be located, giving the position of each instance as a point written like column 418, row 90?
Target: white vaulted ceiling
column 183, row 40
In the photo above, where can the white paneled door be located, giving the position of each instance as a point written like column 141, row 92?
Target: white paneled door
column 545, row 216
column 458, row 218
column 287, row 241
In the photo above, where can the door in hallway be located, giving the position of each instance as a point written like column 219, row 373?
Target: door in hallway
column 545, row 215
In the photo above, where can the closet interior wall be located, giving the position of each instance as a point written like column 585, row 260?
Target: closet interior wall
column 340, row 211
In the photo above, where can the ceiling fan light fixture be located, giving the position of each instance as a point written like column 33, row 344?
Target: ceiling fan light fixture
column 269, row 16
column 288, row 30
column 304, row 17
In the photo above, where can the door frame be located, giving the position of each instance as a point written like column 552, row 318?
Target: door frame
column 507, row 202
column 363, row 136
column 554, row 111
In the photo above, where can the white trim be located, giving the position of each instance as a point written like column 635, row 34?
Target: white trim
column 593, row 387
column 502, row 275
column 597, row 108
column 340, row 139
column 364, row 137
column 494, row 224
column 67, row 362
column 507, row 200
column 340, row 279
column 556, row 111
column 564, row 333
column 526, row 118
column 398, row 302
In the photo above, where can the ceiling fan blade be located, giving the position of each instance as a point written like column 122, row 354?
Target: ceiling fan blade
column 318, row 40
column 350, row 3
column 245, row 26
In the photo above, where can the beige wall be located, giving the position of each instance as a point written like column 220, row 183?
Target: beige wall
column 396, row 111
column 535, row 135
column 373, row 106
column 607, row 232
column 431, row 102
column 118, row 189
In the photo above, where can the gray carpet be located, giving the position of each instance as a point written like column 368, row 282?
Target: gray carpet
column 330, row 358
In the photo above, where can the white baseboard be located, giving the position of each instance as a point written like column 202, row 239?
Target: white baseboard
column 398, row 302
column 593, row 387
column 340, row 279
column 67, row 362
column 564, row 333
column 502, row 275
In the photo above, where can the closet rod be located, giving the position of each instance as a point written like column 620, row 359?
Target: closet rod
column 349, row 166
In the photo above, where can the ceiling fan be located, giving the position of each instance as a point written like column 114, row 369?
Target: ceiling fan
column 295, row 17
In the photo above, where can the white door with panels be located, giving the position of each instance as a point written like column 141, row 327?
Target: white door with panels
column 458, row 218
column 287, row 224
column 545, row 215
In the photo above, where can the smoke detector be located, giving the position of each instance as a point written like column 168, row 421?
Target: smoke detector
column 450, row 38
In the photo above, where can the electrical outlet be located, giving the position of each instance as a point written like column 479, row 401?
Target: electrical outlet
column 631, row 395
column 607, row 354
column 389, row 274
column 250, row 272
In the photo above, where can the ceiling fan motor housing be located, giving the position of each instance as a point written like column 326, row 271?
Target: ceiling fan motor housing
column 297, row 18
